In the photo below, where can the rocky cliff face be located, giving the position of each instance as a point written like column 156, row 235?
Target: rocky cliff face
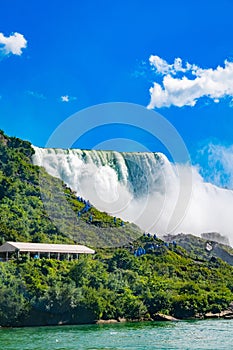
column 204, row 248
column 216, row 237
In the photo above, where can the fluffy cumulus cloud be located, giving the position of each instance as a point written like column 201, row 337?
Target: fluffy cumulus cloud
column 12, row 44
column 183, row 84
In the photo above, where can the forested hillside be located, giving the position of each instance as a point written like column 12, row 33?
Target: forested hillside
column 36, row 207
column 135, row 283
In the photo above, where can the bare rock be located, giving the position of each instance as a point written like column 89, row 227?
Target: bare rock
column 106, row 321
column 223, row 314
column 162, row 317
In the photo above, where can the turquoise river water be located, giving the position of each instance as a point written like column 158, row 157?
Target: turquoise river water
column 185, row 335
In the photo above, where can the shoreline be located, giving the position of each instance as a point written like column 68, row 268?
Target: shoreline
column 223, row 315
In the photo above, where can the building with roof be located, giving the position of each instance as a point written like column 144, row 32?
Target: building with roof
column 37, row 250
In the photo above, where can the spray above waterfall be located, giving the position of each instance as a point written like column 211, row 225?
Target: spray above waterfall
column 140, row 187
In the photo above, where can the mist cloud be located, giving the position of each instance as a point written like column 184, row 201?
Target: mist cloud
column 217, row 165
column 149, row 198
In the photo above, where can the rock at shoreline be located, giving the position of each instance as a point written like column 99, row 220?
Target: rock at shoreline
column 119, row 320
column 107, row 321
column 162, row 317
column 223, row 314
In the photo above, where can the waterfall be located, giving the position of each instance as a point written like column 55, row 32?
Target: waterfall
column 140, row 187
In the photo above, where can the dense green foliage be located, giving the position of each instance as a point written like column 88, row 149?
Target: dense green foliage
column 115, row 284
column 36, row 207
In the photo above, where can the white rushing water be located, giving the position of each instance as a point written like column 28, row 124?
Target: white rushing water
column 142, row 188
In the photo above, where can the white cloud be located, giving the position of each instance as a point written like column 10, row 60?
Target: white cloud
column 184, row 84
column 162, row 67
column 12, row 44
column 67, row 98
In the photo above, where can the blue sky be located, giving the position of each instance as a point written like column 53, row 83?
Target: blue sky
column 82, row 53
